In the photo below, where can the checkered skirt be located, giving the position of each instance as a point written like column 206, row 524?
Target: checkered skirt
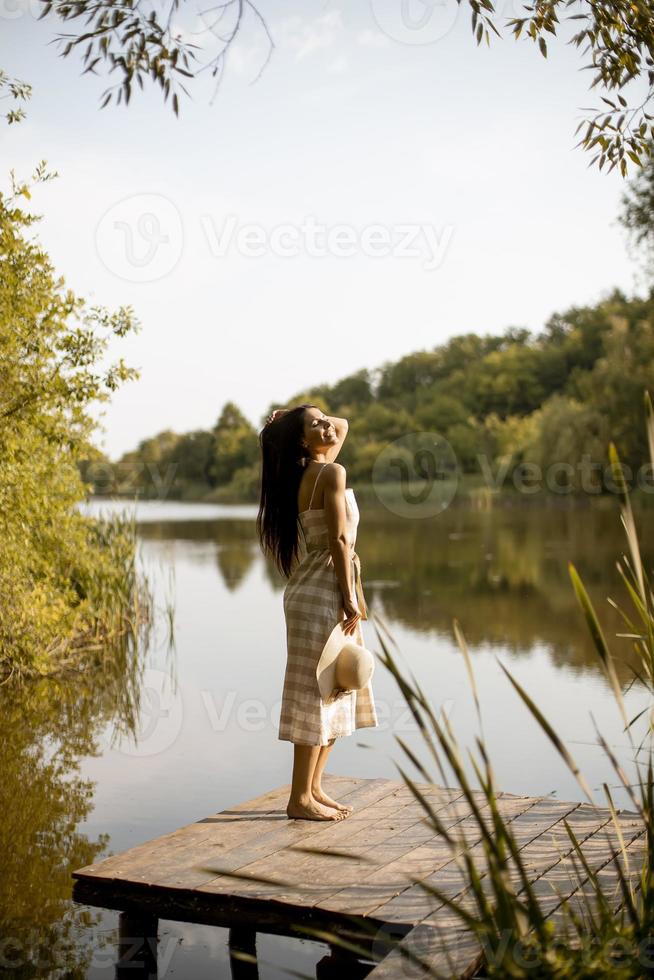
column 313, row 605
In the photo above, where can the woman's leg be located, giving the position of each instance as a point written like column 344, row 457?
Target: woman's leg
column 316, row 781
column 302, row 803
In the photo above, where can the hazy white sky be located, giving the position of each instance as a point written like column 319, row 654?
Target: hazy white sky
column 384, row 185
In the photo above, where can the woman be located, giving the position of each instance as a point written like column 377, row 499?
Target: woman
column 303, row 489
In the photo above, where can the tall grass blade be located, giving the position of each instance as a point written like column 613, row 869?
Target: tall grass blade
column 551, row 734
column 598, row 638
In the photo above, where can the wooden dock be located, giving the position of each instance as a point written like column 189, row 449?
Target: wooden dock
column 357, row 877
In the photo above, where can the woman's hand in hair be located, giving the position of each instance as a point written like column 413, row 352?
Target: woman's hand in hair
column 278, row 412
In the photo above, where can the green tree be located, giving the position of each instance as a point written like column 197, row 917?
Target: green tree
column 380, row 422
column 148, row 470
column 505, row 381
column 464, row 438
column 483, row 393
column 191, row 457
column 637, row 212
column 350, row 393
column 569, row 444
column 617, row 383
column 574, row 339
column 440, row 412
column 234, row 445
column 48, row 728
column 508, row 437
column 446, row 365
column 65, row 580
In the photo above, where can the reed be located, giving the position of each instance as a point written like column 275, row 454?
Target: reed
column 600, row 932
column 497, row 902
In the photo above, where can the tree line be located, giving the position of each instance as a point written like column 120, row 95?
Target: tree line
column 512, row 399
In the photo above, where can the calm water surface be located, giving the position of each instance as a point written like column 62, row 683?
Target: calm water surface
column 74, row 788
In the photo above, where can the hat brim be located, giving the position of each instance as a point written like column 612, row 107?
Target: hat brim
column 326, row 666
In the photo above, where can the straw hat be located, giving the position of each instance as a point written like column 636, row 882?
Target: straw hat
column 344, row 665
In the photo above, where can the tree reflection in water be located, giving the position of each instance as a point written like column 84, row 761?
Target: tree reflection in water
column 47, row 727
column 502, row 571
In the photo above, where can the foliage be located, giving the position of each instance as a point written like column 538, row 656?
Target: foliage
column 353, row 392
column 17, row 90
column 67, row 582
column 604, row 908
column 547, row 399
column 618, row 379
column 48, row 727
column 566, row 431
column 136, row 41
column 495, row 900
column 637, row 215
column 147, row 466
column 139, row 43
column 619, row 34
column 224, row 460
column 234, row 445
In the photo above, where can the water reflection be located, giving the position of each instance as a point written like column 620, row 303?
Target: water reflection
column 502, row 573
column 231, row 544
column 46, row 728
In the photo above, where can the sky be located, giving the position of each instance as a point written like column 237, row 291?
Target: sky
column 384, row 184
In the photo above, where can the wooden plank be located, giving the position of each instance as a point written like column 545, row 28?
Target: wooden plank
column 366, row 881
column 365, row 875
column 560, row 882
column 584, row 902
column 539, row 855
column 454, row 950
column 459, row 956
column 381, row 803
column 411, row 823
column 412, row 903
column 223, row 910
column 221, row 832
column 528, row 828
column 200, row 865
column 314, row 878
column 393, row 876
column 232, row 826
column 196, row 866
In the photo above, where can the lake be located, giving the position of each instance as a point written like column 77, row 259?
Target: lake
column 77, row 785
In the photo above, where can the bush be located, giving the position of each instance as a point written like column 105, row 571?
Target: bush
column 67, row 583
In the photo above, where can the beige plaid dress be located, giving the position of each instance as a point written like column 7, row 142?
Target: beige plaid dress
column 313, row 605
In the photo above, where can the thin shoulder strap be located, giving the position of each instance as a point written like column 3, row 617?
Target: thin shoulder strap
column 316, row 484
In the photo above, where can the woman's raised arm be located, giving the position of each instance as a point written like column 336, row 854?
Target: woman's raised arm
column 341, row 427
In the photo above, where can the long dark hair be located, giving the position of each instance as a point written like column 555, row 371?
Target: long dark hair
column 284, row 458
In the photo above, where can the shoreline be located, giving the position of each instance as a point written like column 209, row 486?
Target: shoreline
column 470, row 492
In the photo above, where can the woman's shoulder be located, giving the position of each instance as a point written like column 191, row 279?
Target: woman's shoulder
column 335, row 475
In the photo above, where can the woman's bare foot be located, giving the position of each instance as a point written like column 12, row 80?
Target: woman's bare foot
column 322, row 797
column 308, row 808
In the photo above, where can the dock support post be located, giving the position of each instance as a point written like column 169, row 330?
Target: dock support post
column 243, row 940
column 340, row 963
column 137, row 946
